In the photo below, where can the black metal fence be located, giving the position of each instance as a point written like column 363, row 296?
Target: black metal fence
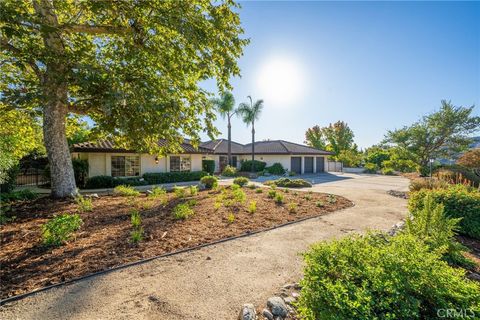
column 32, row 172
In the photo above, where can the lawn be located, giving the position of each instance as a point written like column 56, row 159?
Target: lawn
column 105, row 240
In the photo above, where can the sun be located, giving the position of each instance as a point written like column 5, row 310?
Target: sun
column 281, row 81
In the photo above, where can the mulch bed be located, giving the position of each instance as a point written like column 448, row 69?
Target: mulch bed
column 103, row 241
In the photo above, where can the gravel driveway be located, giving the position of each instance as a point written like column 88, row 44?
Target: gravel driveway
column 213, row 282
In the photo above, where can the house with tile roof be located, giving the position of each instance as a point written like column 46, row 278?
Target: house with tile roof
column 104, row 158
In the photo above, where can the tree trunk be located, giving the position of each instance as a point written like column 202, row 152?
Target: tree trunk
column 55, row 90
column 229, row 142
column 253, row 147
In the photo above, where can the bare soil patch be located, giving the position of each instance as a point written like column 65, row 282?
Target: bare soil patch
column 103, row 241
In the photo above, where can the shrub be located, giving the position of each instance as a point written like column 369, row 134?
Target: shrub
column 229, row 171
column 84, row 204
column 217, row 205
column 292, row 207
column 373, row 277
column 272, row 193
column 231, row 218
column 401, row 165
column 259, row 190
column 459, row 202
column 125, row 191
column 388, row 172
column 180, row 192
column 24, row 194
column 241, row 181
column 59, row 229
column 426, row 183
column 252, row 207
column 331, row 198
column 257, row 165
column 193, row 190
column 319, row 204
column 157, row 192
column 289, row 183
column 292, row 173
column 208, row 166
column 209, row 181
column 276, row 169
column 370, row 168
column 431, row 225
column 172, row 177
column 80, row 171
column 136, row 220
column 251, row 186
column 9, row 179
column 278, row 198
column 98, row 182
column 307, row 197
column 182, row 211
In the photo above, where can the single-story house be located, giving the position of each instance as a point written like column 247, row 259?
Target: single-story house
column 105, row 159
column 292, row 156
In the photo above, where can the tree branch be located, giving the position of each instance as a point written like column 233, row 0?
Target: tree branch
column 19, row 54
column 95, row 29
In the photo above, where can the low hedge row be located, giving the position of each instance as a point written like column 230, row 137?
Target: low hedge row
column 257, row 166
column 99, row 182
column 289, row 183
column 169, row 177
column 459, row 202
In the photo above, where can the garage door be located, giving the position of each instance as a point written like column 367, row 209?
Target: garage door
column 320, row 164
column 296, row 165
column 308, row 164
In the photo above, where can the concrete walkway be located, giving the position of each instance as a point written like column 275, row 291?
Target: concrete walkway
column 212, row 283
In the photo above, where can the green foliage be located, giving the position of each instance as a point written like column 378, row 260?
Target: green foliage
column 272, row 193
column 276, row 169
column 307, row 197
column 443, row 133
column 319, row 204
column 4, row 218
column 209, row 182
column 370, row 168
column 350, row 158
column 208, row 166
column 180, row 192
column 233, row 196
column 458, row 174
column 182, row 211
column 229, row 171
column 251, row 186
column 249, row 112
column 388, row 171
column 291, row 173
column 289, row 183
column 8, row 178
column 59, row 229
column 331, row 198
column 193, row 190
column 257, row 165
column 376, row 155
column 171, row 177
column 279, row 198
column 80, row 171
column 252, row 207
column 402, row 165
column 125, row 191
column 426, row 183
column 259, row 190
column 292, row 207
column 315, row 137
column 84, row 204
column 136, row 235
column 374, row 277
column 24, row 194
column 459, row 202
column 101, row 182
column 157, row 192
column 241, row 181
column 231, row 218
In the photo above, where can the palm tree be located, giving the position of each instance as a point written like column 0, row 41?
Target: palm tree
column 225, row 106
column 250, row 113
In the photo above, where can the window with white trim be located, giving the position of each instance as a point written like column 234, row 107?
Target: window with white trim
column 180, row 163
column 125, row 166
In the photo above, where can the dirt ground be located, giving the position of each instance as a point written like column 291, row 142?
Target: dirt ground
column 104, row 242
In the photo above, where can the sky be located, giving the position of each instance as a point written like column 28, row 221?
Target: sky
column 375, row 65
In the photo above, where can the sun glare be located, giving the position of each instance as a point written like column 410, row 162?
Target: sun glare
column 281, row 81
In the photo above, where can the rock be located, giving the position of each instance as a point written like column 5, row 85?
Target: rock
column 93, row 195
column 277, row 306
column 288, row 286
column 149, row 192
column 267, row 314
column 295, row 295
column 289, row 300
column 247, row 312
column 201, row 186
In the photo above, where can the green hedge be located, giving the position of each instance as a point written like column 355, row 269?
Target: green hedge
column 257, row 165
column 99, row 182
column 459, row 202
column 168, row 177
column 289, row 183
column 276, row 169
column 208, row 166
column 378, row 277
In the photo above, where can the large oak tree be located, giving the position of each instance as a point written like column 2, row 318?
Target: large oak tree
column 134, row 67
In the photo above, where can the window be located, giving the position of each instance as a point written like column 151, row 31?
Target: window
column 234, row 161
column 180, row 163
column 125, row 166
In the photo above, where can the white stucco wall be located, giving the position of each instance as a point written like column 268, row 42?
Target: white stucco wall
column 96, row 164
column 284, row 160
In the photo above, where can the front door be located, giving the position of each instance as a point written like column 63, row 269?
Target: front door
column 223, row 161
column 234, row 161
column 296, row 165
column 308, row 164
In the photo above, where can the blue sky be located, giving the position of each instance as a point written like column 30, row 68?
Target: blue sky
column 375, row 65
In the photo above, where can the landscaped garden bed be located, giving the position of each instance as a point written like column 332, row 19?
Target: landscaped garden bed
column 122, row 228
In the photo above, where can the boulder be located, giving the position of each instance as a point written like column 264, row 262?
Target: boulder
column 267, row 314
column 247, row 312
column 289, row 300
column 277, row 306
